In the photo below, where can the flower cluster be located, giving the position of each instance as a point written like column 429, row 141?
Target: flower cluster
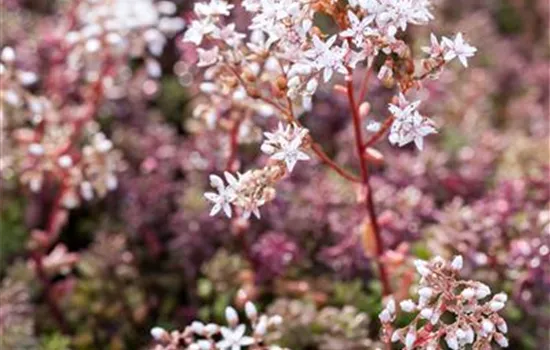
column 200, row 336
column 475, row 318
column 285, row 145
column 276, row 68
column 409, row 125
column 42, row 140
column 108, row 31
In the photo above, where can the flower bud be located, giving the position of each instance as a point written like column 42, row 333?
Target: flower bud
column 410, row 338
column 250, row 310
column 501, row 340
column 407, row 305
column 231, row 316
column 452, row 341
column 197, row 327
column 65, row 161
column 496, row 306
column 425, row 292
column 457, row 263
column 261, row 327
column 159, row 333
column 427, row 313
column 8, row 54
column 468, row 293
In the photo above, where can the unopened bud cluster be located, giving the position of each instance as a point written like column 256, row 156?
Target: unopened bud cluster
column 211, row 336
column 473, row 321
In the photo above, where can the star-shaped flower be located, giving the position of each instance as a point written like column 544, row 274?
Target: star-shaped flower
column 358, row 28
column 326, row 57
column 435, row 49
column 234, row 339
column 290, row 152
column 197, row 30
column 225, row 196
column 412, row 128
column 458, row 48
column 208, row 57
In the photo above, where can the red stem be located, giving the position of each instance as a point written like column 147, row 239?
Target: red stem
column 386, row 288
column 51, row 230
column 364, row 85
column 325, row 158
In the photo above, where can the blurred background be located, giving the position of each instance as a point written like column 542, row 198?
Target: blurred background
column 149, row 254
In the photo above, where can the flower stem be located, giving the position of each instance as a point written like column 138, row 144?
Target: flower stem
column 369, row 202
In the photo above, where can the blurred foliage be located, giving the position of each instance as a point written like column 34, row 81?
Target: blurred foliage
column 13, row 233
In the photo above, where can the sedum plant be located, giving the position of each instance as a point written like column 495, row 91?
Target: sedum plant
column 274, row 69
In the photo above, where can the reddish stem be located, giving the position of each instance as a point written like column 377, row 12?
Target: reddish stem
column 369, row 202
column 325, row 158
column 364, row 85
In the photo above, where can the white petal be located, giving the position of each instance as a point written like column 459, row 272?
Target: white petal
column 227, row 209
column 215, row 209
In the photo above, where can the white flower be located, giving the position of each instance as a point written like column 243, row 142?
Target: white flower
column 397, row 13
column 198, row 29
column 411, row 128
column 358, row 28
column 234, row 339
column 208, row 57
column 404, row 109
column 435, row 49
column 214, row 8
column 284, row 144
column 225, row 195
column 290, row 152
column 327, row 58
column 458, row 48
column 229, row 35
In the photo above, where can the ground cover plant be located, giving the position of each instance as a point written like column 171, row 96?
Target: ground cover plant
column 274, row 174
